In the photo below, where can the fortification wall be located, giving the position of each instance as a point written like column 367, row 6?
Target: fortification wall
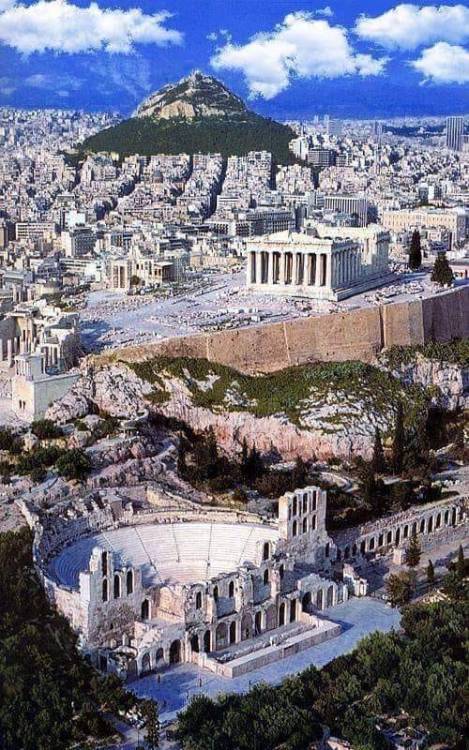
column 358, row 334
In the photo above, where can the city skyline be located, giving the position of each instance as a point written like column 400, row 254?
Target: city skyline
column 287, row 59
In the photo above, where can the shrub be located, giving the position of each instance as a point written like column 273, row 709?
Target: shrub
column 74, row 464
column 45, row 429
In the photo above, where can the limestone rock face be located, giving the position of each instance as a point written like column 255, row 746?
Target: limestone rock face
column 195, row 96
column 115, row 390
column 449, row 380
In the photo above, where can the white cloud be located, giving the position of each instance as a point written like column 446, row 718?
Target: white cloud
column 301, row 46
column 444, row 63
column 409, row 26
column 52, row 81
column 60, row 26
column 327, row 12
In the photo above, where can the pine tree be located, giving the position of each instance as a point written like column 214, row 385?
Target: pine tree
column 415, row 252
column 378, row 462
column 442, row 273
column 461, row 563
column 399, row 440
column 152, row 724
column 300, row 473
column 414, row 551
column 430, row 572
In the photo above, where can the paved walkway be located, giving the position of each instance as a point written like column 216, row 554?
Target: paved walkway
column 178, row 685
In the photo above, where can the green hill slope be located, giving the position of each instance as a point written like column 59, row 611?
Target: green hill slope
column 230, row 136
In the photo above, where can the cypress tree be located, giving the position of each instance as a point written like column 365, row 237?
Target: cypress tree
column 430, row 572
column 415, row 252
column 461, row 563
column 412, row 557
column 378, row 462
column 300, row 473
column 399, row 440
column 442, row 273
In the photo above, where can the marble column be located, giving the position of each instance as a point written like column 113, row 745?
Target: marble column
column 258, row 267
column 329, row 270
column 317, row 280
column 282, row 268
column 270, row 272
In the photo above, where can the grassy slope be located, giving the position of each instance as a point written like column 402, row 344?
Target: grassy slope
column 291, row 391
column 453, row 352
column 209, row 135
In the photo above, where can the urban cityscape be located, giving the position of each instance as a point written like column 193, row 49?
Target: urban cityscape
column 234, row 376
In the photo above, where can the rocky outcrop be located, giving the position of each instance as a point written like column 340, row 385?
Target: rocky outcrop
column 114, row 390
column 447, row 382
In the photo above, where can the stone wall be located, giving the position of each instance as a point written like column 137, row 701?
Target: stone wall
column 358, row 334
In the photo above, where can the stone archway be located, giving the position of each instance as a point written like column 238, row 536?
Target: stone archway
column 221, row 639
column 281, row 615
column 306, row 602
column 195, row 644
column 258, row 623
column 271, row 617
column 175, row 652
column 330, row 596
column 246, row 627
column 146, row 664
column 233, row 632
column 207, row 641
column 319, row 599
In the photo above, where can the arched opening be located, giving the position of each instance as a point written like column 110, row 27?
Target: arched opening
column 294, row 506
column 231, row 590
column 117, row 586
column 198, row 600
column 438, row 521
column 371, row 544
column 130, row 582
column 319, row 599
column 406, row 531
column 281, row 570
column 233, row 632
column 453, row 519
column 271, row 617
column 389, row 538
column 104, row 595
column 430, row 524
column 281, row 615
column 330, row 596
column 446, row 517
column 380, row 540
column 258, row 623
column 195, row 644
column 422, row 526
column 207, row 641
column 414, row 528
column 146, row 664
column 215, row 593
column 294, row 528
column 175, row 652
column 306, row 602
column 145, row 609
column 246, row 627
column 362, row 547
column 305, row 525
column 159, row 657
column 266, row 577
column 397, row 537
column 313, row 523
column 221, row 636
column 104, row 563
column 265, row 553
column 315, row 502
column 293, row 610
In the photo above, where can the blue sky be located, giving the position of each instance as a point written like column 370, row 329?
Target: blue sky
column 350, row 58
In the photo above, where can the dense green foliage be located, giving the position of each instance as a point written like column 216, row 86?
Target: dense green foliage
column 454, row 352
column 231, row 136
column 415, row 252
column 442, row 273
column 422, row 671
column 74, row 464
column 49, row 696
column 45, row 429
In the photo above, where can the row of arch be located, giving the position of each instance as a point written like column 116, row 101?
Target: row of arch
column 393, row 537
column 117, row 589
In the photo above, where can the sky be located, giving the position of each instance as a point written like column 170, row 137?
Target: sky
column 289, row 59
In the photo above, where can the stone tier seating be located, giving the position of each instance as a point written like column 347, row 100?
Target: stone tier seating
column 170, row 553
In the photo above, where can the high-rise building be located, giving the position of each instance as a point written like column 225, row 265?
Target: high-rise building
column 455, row 133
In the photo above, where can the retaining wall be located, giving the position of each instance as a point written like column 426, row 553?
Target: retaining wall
column 357, row 334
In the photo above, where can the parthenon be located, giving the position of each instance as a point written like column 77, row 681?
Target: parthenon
column 319, row 266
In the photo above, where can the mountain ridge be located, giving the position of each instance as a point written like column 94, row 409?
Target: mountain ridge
column 198, row 114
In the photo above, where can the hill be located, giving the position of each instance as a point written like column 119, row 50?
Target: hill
column 197, row 115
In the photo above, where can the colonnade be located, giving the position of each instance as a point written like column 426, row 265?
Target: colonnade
column 384, row 538
column 339, row 268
